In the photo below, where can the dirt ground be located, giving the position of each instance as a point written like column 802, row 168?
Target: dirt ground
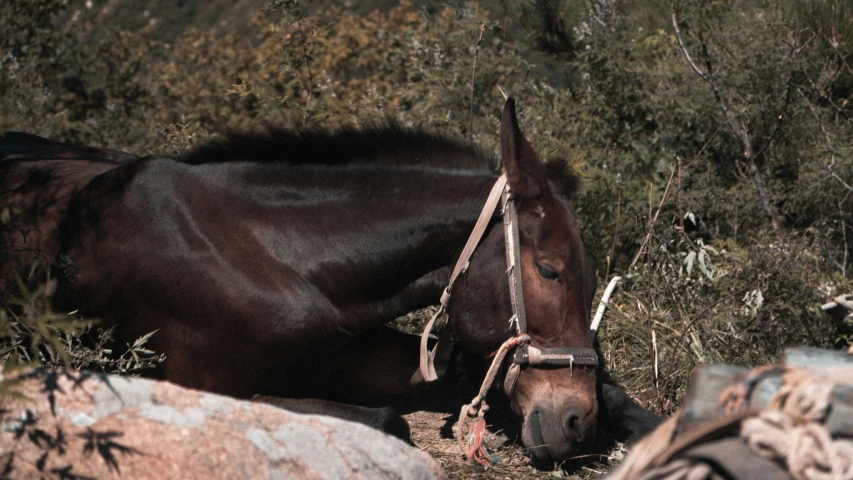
column 432, row 419
column 431, row 433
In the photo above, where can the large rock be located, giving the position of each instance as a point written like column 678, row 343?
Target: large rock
column 72, row 424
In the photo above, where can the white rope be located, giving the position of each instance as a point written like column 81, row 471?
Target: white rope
column 605, row 297
column 791, row 430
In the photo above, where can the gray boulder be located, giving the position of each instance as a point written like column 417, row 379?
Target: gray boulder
column 69, row 424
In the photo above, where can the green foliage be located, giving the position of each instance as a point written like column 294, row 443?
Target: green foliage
column 31, row 334
column 689, row 304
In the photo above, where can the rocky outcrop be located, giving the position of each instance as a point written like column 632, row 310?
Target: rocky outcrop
column 68, row 424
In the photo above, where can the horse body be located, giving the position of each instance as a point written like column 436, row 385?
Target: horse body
column 259, row 258
column 284, row 264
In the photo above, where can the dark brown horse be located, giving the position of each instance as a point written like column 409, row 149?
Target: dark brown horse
column 260, row 258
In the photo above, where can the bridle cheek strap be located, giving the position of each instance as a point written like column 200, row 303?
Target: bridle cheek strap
column 427, row 357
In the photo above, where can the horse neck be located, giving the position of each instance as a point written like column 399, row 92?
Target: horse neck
column 410, row 232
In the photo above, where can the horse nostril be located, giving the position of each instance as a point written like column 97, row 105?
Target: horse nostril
column 574, row 430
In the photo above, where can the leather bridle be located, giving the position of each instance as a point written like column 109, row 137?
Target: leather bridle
column 525, row 354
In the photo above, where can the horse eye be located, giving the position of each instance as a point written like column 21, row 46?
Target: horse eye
column 546, row 272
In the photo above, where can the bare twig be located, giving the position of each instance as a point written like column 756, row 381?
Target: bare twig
column 829, row 168
column 653, row 219
column 473, row 70
column 735, row 124
column 684, row 50
column 796, row 52
column 831, row 41
column 307, row 59
column 829, row 145
column 780, row 117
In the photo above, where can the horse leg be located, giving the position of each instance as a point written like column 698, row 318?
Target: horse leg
column 384, row 419
column 623, row 416
column 379, row 363
column 194, row 359
column 382, row 362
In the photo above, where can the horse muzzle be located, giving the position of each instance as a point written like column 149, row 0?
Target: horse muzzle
column 558, row 419
column 553, row 437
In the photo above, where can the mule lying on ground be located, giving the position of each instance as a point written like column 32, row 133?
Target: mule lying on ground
column 258, row 258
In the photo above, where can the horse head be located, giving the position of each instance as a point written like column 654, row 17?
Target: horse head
column 557, row 398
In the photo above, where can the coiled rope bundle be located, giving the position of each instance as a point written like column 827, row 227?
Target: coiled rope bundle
column 788, row 421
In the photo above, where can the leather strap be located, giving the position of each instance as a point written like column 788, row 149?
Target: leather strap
column 476, row 234
column 427, row 366
column 513, row 261
column 530, row 355
column 511, row 377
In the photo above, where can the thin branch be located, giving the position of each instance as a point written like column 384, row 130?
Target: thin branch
column 307, row 59
column 696, row 69
column 653, row 220
column 737, row 126
column 780, row 117
column 738, row 129
column 708, row 76
column 829, row 145
column 832, row 42
column 473, row 70
column 814, row 85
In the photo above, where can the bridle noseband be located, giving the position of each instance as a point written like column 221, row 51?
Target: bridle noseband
column 525, row 353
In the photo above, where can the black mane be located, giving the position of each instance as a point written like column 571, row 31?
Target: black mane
column 389, row 145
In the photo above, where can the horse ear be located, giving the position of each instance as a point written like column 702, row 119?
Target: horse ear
column 525, row 173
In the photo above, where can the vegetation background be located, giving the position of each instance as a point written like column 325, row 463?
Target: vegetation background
column 713, row 137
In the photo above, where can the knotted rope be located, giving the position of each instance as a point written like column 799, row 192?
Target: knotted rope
column 791, row 430
column 474, row 448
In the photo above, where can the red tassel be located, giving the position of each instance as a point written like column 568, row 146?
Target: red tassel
column 476, row 434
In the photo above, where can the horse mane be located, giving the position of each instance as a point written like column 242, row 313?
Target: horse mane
column 385, row 145
column 21, row 147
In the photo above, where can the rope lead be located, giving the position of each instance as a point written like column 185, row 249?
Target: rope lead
column 474, row 449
